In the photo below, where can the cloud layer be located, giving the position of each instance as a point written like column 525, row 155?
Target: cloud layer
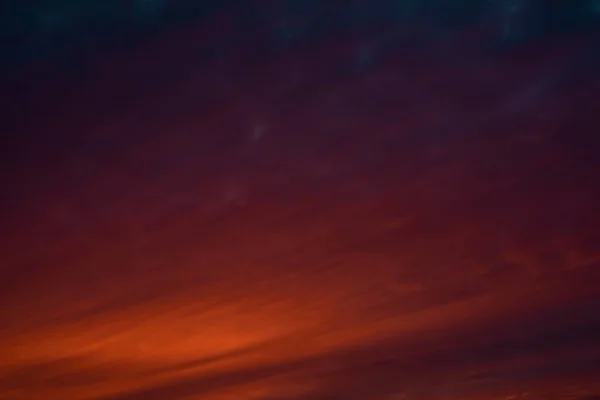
column 375, row 241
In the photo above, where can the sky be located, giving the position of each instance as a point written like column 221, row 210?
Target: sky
column 335, row 221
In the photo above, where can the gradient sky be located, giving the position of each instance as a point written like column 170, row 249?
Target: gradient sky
column 330, row 222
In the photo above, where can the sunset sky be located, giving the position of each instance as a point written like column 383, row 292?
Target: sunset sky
column 334, row 221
